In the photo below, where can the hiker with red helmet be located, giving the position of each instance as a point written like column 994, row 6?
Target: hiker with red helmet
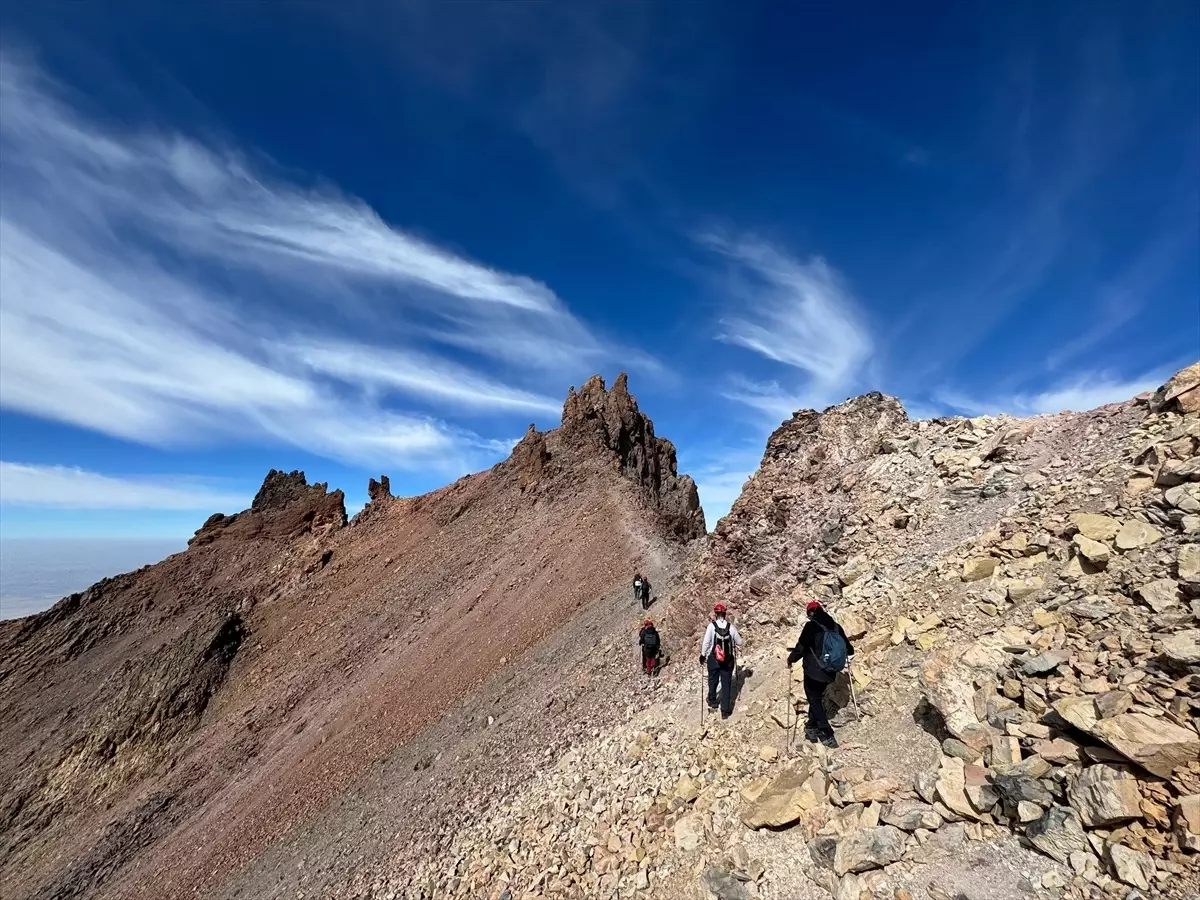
column 719, row 651
column 651, row 645
column 826, row 650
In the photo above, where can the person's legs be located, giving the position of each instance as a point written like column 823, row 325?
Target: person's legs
column 714, row 677
column 726, row 691
column 818, row 723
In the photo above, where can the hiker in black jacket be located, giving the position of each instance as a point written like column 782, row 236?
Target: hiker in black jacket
column 817, row 676
column 651, row 645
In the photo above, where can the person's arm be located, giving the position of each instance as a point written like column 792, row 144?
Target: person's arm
column 710, row 634
column 801, row 647
column 733, row 632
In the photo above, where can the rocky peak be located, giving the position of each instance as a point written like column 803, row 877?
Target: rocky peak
column 603, row 422
column 285, row 506
column 379, row 490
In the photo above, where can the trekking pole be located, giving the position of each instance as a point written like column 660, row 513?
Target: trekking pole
column 853, row 696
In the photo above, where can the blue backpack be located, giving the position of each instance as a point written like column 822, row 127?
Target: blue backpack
column 831, row 655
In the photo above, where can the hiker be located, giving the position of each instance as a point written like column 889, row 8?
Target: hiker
column 719, row 651
column 826, row 650
column 651, row 646
column 641, row 590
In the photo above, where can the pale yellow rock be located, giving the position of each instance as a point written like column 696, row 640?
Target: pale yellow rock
column 1135, row 534
column 1189, row 562
column 930, row 639
column 768, row 753
column 901, row 630
column 1157, row 745
column 1020, row 590
column 979, row 567
column 1043, row 618
column 1096, row 527
column 782, row 801
column 1097, row 553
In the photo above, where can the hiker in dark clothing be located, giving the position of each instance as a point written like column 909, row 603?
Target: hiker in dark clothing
column 822, row 661
column 719, row 651
column 641, row 590
column 651, row 645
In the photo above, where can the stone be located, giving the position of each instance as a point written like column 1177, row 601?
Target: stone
column 1184, row 497
column 782, row 800
column 1189, row 562
column 1018, row 590
column 854, row 570
column 871, row 848
column 850, row 887
column 1045, row 663
column 1015, row 788
column 1078, row 711
column 1058, row 833
column 1132, row 867
column 1160, row 595
column 725, row 885
column 1112, row 703
column 854, row 625
column 1028, row 812
column 1095, row 552
column 955, row 747
column 909, row 815
column 1157, row 745
column 1180, row 394
column 1006, row 750
column 900, row 630
column 1187, row 822
column 1059, row 751
column 979, row 567
column 1096, row 527
column 947, row 682
column 686, row 789
column 1183, row 647
column 1135, row 534
column 1043, row 618
column 689, row 833
column 873, row 791
column 951, row 788
column 768, row 753
column 1104, row 795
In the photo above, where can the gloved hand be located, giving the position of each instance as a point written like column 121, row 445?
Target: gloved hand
column 703, row 659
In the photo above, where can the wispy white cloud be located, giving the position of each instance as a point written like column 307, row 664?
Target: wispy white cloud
column 1083, row 391
column 70, row 488
column 719, row 478
column 799, row 314
column 163, row 290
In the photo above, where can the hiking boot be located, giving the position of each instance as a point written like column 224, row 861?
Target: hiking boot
column 830, row 740
column 811, row 735
column 714, row 705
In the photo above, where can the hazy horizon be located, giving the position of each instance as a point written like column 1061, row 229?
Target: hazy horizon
column 37, row 572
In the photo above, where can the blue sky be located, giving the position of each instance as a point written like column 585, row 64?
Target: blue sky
column 383, row 238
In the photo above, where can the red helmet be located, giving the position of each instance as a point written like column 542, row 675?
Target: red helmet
column 719, row 608
column 649, row 623
column 812, row 604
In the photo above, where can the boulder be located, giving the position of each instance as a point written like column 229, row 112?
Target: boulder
column 1132, row 867
column 873, row 791
column 1184, row 497
column 1157, row 745
column 1058, row 833
column 854, row 625
column 909, row 815
column 1045, row 663
column 948, row 684
column 1189, row 562
column 1096, row 527
column 1059, row 751
column 1078, row 711
column 1187, row 821
column 1135, row 534
column 782, row 800
column 871, row 848
column 1160, row 595
column 1105, row 795
column 1095, row 552
column 1180, row 394
column 951, row 788
column 1019, row 589
column 1183, row 647
column 1015, row 788
column 689, row 833
column 979, row 567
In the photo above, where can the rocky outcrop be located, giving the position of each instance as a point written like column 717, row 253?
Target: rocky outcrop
column 605, row 427
column 285, row 507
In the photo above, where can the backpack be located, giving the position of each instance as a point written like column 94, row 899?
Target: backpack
column 831, row 652
column 723, row 645
column 650, row 642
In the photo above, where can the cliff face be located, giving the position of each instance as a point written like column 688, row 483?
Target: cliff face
column 165, row 730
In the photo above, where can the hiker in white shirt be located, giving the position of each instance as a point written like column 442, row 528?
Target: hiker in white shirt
column 719, row 650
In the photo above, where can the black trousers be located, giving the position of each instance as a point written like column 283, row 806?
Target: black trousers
column 814, row 692
column 719, row 675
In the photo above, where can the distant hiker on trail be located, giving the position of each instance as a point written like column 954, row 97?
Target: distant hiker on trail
column 641, row 590
column 651, row 645
column 719, row 650
column 826, row 650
